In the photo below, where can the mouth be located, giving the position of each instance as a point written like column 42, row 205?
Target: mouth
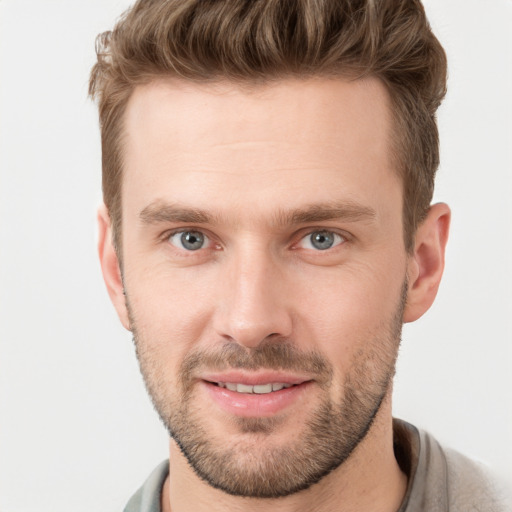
column 258, row 389
column 256, row 395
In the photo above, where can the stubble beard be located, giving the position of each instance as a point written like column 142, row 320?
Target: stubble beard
column 253, row 465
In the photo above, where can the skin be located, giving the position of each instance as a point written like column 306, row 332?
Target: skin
column 248, row 157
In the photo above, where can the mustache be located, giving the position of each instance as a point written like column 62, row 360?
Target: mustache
column 270, row 355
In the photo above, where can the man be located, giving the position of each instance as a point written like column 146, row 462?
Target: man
column 268, row 169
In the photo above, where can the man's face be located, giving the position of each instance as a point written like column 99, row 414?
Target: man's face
column 264, row 269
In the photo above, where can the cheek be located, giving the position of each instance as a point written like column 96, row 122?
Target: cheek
column 348, row 309
column 170, row 308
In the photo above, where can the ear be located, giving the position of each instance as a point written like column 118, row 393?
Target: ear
column 110, row 266
column 426, row 263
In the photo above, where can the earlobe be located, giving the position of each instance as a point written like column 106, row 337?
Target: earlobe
column 426, row 263
column 110, row 266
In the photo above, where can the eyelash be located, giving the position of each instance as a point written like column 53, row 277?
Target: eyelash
column 339, row 238
column 168, row 236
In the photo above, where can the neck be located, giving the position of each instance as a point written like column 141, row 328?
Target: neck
column 369, row 480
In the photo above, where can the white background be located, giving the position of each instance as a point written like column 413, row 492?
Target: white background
column 76, row 429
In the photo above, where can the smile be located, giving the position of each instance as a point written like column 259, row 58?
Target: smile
column 263, row 397
column 259, row 389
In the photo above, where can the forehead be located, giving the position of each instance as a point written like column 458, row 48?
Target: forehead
column 288, row 142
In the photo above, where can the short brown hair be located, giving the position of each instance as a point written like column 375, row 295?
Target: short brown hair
column 264, row 40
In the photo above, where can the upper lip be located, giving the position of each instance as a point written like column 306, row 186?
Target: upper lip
column 255, row 378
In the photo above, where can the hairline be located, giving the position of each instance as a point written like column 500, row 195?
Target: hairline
column 249, row 84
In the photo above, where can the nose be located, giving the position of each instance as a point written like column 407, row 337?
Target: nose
column 253, row 305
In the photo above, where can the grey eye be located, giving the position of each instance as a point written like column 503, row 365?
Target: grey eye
column 321, row 240
column 189, row 240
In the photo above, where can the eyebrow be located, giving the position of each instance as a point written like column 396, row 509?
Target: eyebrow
column 161, row 212
column 348, row 211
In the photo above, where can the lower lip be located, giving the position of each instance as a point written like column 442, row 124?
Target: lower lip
column 253, row 405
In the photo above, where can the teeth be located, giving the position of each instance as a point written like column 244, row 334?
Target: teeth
column 259, row 389
column 243, row 388
column 262, row 389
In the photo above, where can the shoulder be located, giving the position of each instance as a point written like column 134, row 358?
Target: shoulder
column 467, row 485
column 441, row 479
column 471, row 486
column 147, row 498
